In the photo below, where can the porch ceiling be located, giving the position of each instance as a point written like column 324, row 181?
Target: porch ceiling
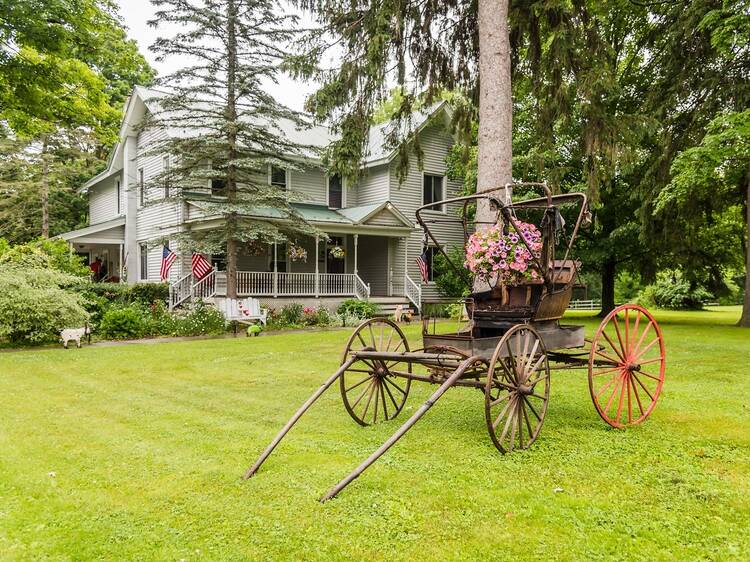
column 107, row 232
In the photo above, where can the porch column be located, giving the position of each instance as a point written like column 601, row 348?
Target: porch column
column 406, row 260
column 317, row 269
column 356, row 238
column 275, row 271
column 121, row 260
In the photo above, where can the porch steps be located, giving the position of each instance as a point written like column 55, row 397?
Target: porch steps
column 387, row 305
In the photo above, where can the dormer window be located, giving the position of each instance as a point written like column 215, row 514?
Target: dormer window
column 335, row 192
column 278, row 177
column 219, row 187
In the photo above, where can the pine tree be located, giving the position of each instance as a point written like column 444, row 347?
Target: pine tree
column 224, row 127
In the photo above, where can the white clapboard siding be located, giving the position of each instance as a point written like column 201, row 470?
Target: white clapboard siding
column 102, row 201
column 372, row 187
column 311, row 183
column 435, row 142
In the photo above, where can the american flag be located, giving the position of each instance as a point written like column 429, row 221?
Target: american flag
column 201, row 267
column 424, row 268
column 167, row 259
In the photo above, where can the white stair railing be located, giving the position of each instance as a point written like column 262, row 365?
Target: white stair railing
column 180, row 290
column 413, row 292
column 361, row 289
column 206, row 287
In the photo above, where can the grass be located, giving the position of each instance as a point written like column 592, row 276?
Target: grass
column 136, row 452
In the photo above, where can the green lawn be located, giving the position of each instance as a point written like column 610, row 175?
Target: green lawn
column 136, row 452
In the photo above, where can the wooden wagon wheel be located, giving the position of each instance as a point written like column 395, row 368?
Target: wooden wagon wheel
column 626, row 366
column 517, row 389
column 371, row 393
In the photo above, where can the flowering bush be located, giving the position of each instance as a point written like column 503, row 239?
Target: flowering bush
column 297, row 253
column 504, row 258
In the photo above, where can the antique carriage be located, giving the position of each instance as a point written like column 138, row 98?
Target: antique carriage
column 512, row 338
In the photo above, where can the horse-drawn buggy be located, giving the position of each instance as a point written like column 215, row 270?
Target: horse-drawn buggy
column 519, row 275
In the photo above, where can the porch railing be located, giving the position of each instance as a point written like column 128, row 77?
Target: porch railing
column 180, row 290
column 270, row 284
column 413, row 292
column 206, row 287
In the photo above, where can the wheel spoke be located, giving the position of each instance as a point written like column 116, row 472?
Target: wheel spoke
column 606, row 371
column 525, row 349
column 627, row 331
column 607, row 357
column 526, row 417
column 390, row 338
column 645, row 349
column 643, row 335
column 502, row 413
column 401, row 390
column 497, row 401
column 507, row 422
column 533, row 383
column 372, row 387
column 606, row 386
column 513, row 417
column 642, row 386
column 512, row 360
column 635, row 393
column 614, row 347
column 649, row 375
column 617, row 329
column 377, row 395
column 359, row 335
column 612, row 396
column 536, row 366
column 519, row 423
column 630, row 405
column 637, row 324
column 533, row 410
column 622, row 396
column 530, row 356
column 660, row 358
column 363, row 381
column 388, row 390
column 359, row 398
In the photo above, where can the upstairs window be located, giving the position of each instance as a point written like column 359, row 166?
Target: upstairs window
column 218, row 186
column 432, row 190
column 141, row 187
column 430, row 254
column 335, row 192
column 166, row 174
column 118, row 196
column 278, row 177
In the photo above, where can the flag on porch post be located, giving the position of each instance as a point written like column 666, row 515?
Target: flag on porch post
column 167, row 259
column 201, row 267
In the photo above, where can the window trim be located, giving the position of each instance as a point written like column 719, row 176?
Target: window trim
column 143, row 262
column 431, row 270
column 287, row 176
column 328, row 191
column 443, row 187
column 118, row 196
column 141, row 187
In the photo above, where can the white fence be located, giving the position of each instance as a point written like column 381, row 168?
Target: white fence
column 585, row 305
column 270, row 284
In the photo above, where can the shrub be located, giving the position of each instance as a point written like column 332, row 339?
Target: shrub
column 125, row 322
column 35, row 305
column 44, row 254
column 291, row 314
column 675, row 293
column 358, row 308
column 147, row 293
column 197, row 320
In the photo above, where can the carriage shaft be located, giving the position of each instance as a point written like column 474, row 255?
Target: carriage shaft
column 298, row 414
column 450, row 381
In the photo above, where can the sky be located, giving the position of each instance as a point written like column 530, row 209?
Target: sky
column 136, row 14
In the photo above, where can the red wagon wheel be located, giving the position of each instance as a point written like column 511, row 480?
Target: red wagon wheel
column 626, row 366
column 371, row 393
column 517, row 389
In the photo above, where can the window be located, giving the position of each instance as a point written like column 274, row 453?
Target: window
column 144, row 262
column 278, row 177
column 432, row 189
column 118, row 196
column 430, row 254
column 141, row 188
column 165, row 173
column 218, row 186
column 335, row 192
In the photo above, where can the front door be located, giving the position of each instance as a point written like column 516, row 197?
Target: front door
column 335, row 255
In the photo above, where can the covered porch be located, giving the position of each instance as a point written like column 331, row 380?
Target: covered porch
column 105, row 241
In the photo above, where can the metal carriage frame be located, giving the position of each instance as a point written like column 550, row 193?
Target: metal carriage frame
column 512, row 342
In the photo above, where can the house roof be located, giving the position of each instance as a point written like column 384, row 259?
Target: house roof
column 98, row 228
column 322, row 215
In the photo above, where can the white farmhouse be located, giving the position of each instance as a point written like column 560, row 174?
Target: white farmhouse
column 373, row 222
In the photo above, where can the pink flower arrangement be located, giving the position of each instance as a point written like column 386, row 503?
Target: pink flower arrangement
column 308, row 310
column 494, row 256
column 297, row 253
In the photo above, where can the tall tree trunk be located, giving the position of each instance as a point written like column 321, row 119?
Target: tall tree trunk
column 231, row 118
column 745, row 318
column 609, row 272
column 44, row 195
column 494, row 161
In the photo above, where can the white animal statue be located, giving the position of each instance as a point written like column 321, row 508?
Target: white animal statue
column 74, row 334
column 401, row 314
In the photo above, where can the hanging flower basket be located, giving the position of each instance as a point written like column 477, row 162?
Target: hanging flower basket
column 256, row 248
column 297, row 253
column 337, row 252
column 499, row 258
